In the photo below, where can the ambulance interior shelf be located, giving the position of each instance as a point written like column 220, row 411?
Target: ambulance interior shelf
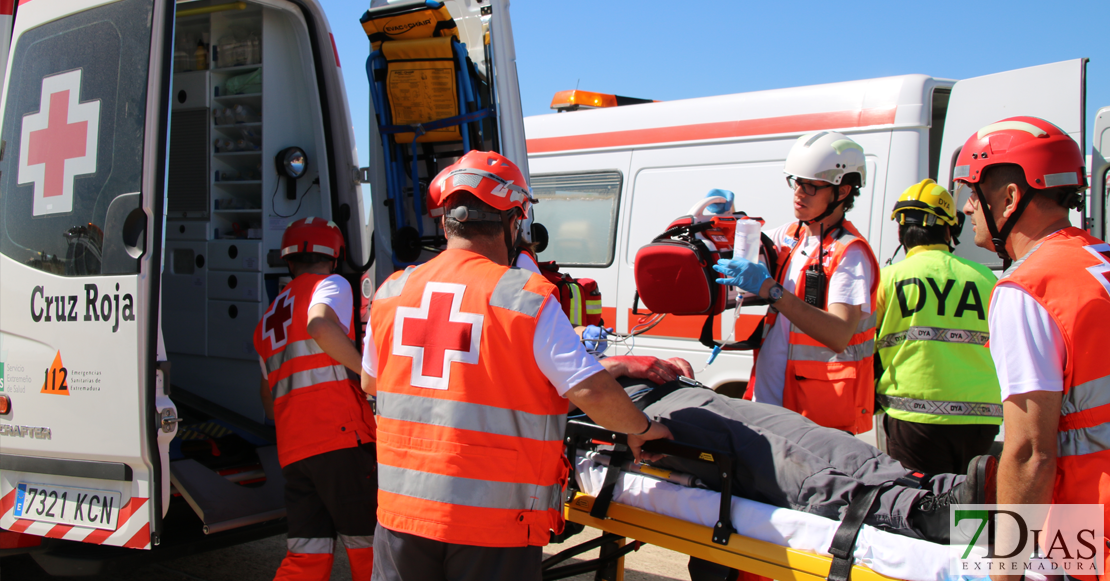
column 431, row 104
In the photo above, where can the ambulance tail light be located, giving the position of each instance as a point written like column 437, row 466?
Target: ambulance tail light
column 5, row 404
column 574, row 99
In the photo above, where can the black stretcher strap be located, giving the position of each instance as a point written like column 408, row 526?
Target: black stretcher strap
column 581, row 434
column 844, row 541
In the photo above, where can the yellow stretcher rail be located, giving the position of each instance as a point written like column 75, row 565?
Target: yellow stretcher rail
column 743, row 553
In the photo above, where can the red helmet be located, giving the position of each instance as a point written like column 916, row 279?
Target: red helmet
column 312, row 235
column 488, row 175
column 1045, row 153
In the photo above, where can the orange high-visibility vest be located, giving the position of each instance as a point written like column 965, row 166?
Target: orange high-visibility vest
column 470, row 430
column 1068, row 273
column 835, row 390
column 317, row 408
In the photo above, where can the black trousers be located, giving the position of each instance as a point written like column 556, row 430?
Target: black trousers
column 937, row 448
column 405, row 557
column 333, row 492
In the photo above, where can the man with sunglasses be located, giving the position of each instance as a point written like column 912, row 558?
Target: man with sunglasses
column 1047, row 314
column 818, row 345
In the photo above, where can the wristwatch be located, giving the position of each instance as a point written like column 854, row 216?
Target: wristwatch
column 774, row 293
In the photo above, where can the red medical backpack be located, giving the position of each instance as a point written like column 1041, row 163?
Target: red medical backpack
column 579, row 297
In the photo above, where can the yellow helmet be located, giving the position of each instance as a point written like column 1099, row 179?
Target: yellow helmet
column 926, row 204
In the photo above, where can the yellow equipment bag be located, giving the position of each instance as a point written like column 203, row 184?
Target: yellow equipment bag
column 408, row 21
column 421, row 85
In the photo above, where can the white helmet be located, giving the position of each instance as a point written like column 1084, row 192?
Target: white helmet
column 826, row 156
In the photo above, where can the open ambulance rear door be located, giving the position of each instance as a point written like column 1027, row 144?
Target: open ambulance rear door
column 1054, row 92
column 84, row 125
column 1100, row 171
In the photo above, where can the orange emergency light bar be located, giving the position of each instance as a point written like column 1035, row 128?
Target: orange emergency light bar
column 574, row 99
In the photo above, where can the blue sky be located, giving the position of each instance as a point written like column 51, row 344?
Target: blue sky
column 676, row 50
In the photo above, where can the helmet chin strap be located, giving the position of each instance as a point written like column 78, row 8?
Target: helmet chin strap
column 829, row 209
column 998, row 237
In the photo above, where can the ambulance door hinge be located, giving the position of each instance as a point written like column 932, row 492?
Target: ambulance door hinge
column 487, row 10
column 362, row 175
column 169, row 419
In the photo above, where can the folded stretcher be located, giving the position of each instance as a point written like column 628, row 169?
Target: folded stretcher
column 742, row 534
column 432, row 104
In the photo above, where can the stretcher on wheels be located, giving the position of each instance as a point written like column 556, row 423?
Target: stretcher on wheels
column 657, row 507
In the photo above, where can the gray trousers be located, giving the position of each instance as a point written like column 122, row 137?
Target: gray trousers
column 785, row 459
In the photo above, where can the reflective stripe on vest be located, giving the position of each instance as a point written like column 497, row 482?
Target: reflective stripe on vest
column 1085, row 419
column 308, row 378
column 468, row 491
column 393, row 287
column 802, row 348
column 510, row 294
column 934, row 334
column 944, row 408
column 471, row 416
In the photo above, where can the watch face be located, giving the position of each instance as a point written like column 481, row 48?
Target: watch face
column 775, row 292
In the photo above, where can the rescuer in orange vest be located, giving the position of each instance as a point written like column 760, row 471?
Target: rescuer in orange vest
column 473, row 364
column 819, row 336
column 325, row 427
column 1047, row 314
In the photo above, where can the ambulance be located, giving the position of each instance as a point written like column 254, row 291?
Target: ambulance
column 153, row 153
column 611, row 176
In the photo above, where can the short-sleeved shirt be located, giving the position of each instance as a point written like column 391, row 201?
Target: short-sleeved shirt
column 850, row 284
column 1026, row 344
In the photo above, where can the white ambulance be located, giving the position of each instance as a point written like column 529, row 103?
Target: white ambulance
column 153, row 153
column 611, row 178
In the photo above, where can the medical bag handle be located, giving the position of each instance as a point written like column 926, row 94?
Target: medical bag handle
column 756, row 338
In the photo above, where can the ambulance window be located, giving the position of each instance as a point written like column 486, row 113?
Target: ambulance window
column 73, row 140
column 579, row 211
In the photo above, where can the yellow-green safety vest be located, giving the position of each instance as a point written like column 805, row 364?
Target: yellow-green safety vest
column 932, row 336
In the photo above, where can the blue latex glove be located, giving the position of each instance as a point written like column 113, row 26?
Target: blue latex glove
column 594, row 337
column 719, row 208
column 743, row 273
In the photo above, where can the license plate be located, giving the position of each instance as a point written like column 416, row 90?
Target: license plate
column 83, row 507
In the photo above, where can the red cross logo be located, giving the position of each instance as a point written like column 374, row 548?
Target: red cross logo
column 1101, row 272
column 276, row 321
column 58, row 143
column 437, row 333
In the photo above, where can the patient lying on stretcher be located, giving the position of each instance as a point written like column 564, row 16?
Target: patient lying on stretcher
column 783, row 459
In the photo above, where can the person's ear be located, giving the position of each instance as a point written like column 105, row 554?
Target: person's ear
column 843, row 191
column 1011, row 200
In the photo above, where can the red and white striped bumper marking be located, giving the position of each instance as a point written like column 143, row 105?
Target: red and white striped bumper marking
column 130, row 533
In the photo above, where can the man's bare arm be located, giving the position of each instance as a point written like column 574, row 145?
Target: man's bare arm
column 833, row 328
column 325, row 328
column 603, row 399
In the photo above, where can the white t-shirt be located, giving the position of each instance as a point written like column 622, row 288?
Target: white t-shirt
column 524, row 260
column 558, row 350
column 335, row 292
column 1026, row 345
column 850, row 284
